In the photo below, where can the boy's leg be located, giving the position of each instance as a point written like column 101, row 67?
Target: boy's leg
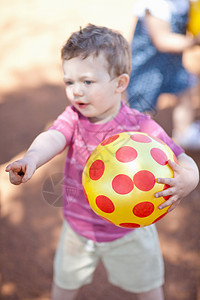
column 135, row 263
column 62, row 294
column 156, row 294
column 74, row 264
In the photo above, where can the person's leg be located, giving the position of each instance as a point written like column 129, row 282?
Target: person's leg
column 185, row 131
column 62, row 294
column 156, row 294
column 183, row 113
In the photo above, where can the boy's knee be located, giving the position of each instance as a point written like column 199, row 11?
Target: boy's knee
column 58, row 293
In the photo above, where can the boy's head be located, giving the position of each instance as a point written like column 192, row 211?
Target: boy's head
column 95, row 40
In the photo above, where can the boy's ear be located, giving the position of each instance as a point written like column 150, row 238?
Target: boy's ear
column 122, row 82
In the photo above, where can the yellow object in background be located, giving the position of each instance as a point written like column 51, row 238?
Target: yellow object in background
column 194, row 17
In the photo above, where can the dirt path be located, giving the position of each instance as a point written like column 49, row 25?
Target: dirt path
column 32, row 95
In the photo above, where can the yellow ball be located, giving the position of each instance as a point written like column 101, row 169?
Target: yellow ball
column 193, row 25
column 119, row 179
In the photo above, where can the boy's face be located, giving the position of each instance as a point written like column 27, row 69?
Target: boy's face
column 90, row 89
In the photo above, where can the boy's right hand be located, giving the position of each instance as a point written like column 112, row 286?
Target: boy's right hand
column 20, row 171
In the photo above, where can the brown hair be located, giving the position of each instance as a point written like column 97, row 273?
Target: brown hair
column 93, row 40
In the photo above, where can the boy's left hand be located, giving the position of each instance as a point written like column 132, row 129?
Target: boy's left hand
column 179, row 186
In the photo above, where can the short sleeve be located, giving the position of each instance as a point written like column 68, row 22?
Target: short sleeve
column 152, row 128
column 65, row 123
column 159, row 9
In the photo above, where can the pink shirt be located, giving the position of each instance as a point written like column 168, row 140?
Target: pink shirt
column 82, row 138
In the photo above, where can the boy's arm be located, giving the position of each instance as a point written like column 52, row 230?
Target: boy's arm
column 44, row 147
column 186, row 178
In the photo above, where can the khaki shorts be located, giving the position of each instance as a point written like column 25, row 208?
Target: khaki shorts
column 133, row 262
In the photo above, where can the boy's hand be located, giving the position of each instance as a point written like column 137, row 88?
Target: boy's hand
column 45, row 146
column 179, row 186
column 20, row 171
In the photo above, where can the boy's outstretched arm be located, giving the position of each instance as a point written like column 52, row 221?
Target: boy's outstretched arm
column 186, row 178
column 44, row 147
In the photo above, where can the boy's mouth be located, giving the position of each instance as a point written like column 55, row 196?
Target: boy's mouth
column 82, row 104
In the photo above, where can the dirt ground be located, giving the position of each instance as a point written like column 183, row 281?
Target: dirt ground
column 32, row 95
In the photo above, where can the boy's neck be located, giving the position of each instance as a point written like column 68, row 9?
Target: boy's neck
column 97, row 120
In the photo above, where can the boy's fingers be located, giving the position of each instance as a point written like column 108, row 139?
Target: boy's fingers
column 8, row 168
column 168, row 181
column 26, row 177
column 173, row 165
column 20, row 172
column 15, row 179
column 15, row 167
column 165, row 193
column 28, row 174
column 173, row 200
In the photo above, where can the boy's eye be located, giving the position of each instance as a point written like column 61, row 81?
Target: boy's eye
column 87, row 82
column 68, row 82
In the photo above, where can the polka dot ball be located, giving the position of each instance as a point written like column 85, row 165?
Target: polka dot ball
column 119, row 179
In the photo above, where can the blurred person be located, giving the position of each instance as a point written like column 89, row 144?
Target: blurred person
column 96, row 66
column 157, row 47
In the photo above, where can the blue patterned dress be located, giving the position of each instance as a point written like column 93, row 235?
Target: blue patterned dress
column 154, row 72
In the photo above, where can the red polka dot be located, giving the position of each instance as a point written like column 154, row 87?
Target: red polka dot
column 159, row 218
column 96, row 169
column 105, row 204
column 143, row 209
column 166, row 186
column 141, row 138
column 126, row 154
column 110, row 140
column 144, row 180
column 159, row 156
column 122, row 184
column 129, row 225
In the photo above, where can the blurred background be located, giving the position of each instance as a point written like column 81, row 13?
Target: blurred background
column 31, row 97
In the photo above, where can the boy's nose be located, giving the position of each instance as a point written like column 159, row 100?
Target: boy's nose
column 77, row 90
